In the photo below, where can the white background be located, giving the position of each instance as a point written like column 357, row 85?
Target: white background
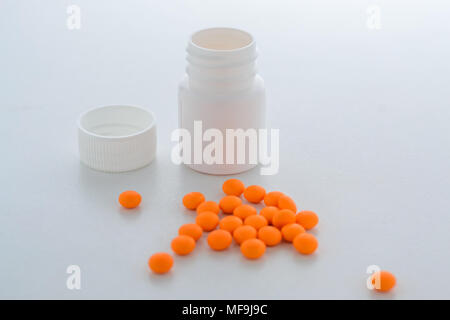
column 365, row 142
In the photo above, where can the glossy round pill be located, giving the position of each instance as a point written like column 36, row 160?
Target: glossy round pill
column 290, row 231
column 308, row 219
column 254, row 194
column 192, row 200
column 192, row 230
column 183, row 245
column 130, row 199
column 286, row 202
column 256, row 221
column 208, row 206
column 253, row 248
column 283, row 217
column 244, row 210
column 268, row 213
column 271, row 198
column 233, row 187
column 271, row 236
column 207, row 220
column 305, row 243
column 219, row 240
column 230, row 223
column 383, row 281
column 243, row 233
column 160, row 262
column 229, row 203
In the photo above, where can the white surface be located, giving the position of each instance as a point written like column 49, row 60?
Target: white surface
column 364, row 118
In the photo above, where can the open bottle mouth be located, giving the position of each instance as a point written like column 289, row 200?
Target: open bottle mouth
column 222, row 39
column 221, row 60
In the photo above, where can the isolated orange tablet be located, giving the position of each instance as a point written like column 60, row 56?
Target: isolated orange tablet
column 254, row 194
column 160, row 262
column 271, row 198
column 271, row 236
column 192, row 200
column 244, row 210
column 383, row 281
column 243, row 233
column 268, row 213
column 230, row 223
column 219, row 240
column 286, row 202
column 208, row 206
column 192, row 230
column 290, row 231
column 308, row 219
column 183, row 245
column 283, row 217
column 253, row 248
column 256, row 221
column 130, row 199
column 233, row 187
column 305, row 243
column 229, row 203
column 207, row 220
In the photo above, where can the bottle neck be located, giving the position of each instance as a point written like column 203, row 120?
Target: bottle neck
column 221, row 60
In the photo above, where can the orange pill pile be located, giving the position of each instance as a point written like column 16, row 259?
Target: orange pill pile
column 130, row 199
column 235, row 218
column 251, row 231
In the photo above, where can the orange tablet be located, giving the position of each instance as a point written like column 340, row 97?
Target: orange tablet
column 192, row 200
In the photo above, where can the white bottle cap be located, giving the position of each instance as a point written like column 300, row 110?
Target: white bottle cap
column 117, row 138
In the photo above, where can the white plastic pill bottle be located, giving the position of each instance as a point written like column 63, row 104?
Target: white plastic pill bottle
column 221, row 93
